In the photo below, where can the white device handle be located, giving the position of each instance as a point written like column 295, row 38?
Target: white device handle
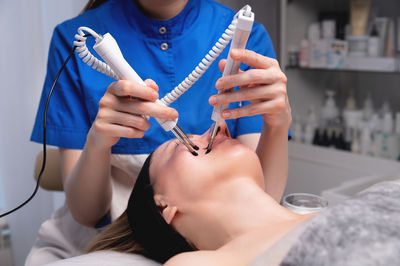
column 108, row 49
column 239, row 40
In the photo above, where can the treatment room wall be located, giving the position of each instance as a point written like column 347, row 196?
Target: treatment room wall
column 27, row 27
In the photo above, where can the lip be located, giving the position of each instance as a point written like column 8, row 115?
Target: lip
column 220, row 140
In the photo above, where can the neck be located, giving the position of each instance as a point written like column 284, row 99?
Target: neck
column 238, row 208
column 161, row 9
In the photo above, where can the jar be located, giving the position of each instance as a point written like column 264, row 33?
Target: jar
column 304, row 203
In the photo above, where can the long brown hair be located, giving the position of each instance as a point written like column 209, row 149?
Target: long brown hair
column 92, row 4
column 117, row 236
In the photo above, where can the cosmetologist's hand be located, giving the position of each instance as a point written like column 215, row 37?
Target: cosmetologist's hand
column 121, row 109
column 264, row 86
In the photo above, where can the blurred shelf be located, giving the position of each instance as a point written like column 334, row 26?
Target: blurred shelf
column 342, row 159
column 314, row 169
column 289, row 68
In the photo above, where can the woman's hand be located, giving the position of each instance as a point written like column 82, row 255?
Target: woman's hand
column 264, row 86
column 121, row 109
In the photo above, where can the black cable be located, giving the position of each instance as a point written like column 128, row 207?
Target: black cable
column 44, row 135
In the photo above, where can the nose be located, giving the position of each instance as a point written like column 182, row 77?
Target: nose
column 223, row 130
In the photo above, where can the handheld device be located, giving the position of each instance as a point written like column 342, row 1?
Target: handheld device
column 108, row 49
column 240, row 37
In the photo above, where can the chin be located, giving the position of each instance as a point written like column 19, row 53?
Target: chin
column 238, row 159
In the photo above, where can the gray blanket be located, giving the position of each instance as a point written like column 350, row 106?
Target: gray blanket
column 364, row 230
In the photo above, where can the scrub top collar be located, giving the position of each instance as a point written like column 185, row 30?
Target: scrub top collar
column 162, row 29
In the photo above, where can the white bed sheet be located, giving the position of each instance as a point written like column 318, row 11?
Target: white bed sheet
column 106, row 258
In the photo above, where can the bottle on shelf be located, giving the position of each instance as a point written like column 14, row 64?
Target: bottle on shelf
column 368, row 108
column 325, row 139
column 385, row 108
column 304, row 56
column 366, row 141
column 387, row 136
column 347, row 137
column 341, row 144
column 397, row 135
column 293, row 56
column 297, row 132
column 373, row 42
column 330, row 112
column 355, row 144
column 351, row 101
column 311, row 125
column 333, row 140
column 317, row 140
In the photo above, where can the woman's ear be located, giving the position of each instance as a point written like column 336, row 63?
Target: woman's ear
column 167, row 212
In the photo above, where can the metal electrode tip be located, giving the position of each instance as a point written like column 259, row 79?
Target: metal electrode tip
column 185, row 140
column 214, row 132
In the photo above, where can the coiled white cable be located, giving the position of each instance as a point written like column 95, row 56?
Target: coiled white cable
column 202, row 67
column 88, row 58
column 188, row 82
column 205, row 63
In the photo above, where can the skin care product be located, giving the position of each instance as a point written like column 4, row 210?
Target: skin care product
column 297, row 130
column 365, row 141
column 304, row 203
column 373, row 43
column 311, row 125
column 387, row 136
column 317, row 138
column 304, row 57
column 328, row 29
column 314, row 31
column 398, row 34
column 330, row 111
column 355, row 144
column 368, row 108
column 397, row 134
column 390, row 40
column 359, row 10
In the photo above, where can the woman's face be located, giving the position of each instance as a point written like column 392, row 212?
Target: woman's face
column 181, row 177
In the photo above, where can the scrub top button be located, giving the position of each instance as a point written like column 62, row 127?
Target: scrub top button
column 164, row 46
column 162, row 30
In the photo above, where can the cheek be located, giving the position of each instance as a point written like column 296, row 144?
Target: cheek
column 238, row 161
column 187, row 176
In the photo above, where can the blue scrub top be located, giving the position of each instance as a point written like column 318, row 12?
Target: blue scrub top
column 189, row 36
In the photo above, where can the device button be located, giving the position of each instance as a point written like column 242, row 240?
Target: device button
column 162, row 30
column 164, row 46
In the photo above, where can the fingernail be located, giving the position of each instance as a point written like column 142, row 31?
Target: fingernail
column 226, row 114
column 213, row 100
column 155, row 94
column 218, row 84
column 234, row 52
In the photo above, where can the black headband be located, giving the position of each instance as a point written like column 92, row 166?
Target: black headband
column 159, row 239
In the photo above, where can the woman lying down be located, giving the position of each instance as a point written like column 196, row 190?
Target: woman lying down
column 212, row 210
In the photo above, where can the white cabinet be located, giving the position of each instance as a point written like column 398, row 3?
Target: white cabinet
column 314, row 169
